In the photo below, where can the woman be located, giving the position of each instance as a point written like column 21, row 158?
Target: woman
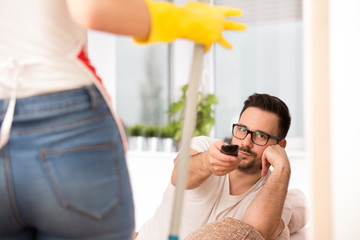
column 62, row 165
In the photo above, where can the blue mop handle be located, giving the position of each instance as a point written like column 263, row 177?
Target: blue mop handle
column 171, row 237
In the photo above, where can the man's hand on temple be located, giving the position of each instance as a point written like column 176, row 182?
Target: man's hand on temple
column 275, row 156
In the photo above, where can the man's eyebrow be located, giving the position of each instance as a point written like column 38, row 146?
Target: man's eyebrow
column 242, row 125
column 257, row 130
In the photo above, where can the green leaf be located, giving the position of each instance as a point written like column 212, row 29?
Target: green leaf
column 176, row 107
column 211, row 99
column 204, row 117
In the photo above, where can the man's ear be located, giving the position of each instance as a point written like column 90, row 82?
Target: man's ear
column 283, row 143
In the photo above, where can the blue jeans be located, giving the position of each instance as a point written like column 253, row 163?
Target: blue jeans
column 63, row 173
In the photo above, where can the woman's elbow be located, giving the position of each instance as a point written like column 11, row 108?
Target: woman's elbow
column 85, row 13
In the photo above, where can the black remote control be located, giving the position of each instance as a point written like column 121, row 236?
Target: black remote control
column 230, row 149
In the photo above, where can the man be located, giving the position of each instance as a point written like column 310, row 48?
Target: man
column 241, row 187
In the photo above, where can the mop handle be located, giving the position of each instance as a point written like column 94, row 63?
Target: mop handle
column 186, row 135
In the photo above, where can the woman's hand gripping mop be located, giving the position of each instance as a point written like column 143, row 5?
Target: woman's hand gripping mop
column 203, row 24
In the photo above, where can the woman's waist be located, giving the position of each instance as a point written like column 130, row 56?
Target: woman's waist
column 35, row 76
column 37, row 86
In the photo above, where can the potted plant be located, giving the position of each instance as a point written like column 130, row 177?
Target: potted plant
column 152, row 134
column 167, row 139
column 136, row 137
column 205, row 115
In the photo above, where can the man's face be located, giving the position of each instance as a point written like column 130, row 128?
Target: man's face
column 255, row 119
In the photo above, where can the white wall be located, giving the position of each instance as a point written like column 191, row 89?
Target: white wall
column 332, row 86
column 150, row 174
column 345, row 117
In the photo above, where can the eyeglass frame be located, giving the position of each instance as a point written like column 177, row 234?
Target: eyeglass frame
column 251, row 134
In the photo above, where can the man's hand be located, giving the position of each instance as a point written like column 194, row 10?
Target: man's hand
column 220, row 163
column 202, row 165
column 275, row 156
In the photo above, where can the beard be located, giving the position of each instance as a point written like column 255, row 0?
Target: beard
column 251, row 164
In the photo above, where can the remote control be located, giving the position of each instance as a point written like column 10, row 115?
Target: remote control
column 230, row 149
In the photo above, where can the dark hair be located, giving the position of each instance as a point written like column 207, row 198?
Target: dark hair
column 271, row 104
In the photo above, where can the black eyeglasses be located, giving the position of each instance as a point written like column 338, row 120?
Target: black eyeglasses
column 257, row 137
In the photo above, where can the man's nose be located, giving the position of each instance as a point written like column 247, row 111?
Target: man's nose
column 247, row 140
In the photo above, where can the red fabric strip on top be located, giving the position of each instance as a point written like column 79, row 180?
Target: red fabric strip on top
column 84, row 58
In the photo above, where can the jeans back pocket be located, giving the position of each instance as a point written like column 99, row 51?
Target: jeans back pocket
column 85, row 179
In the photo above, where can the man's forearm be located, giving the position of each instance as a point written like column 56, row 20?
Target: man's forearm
column 264, row 213
column 198, row 170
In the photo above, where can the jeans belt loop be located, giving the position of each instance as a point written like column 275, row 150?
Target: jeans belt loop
column 94, row 101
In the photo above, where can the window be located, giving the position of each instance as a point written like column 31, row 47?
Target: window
column 142, row 92
column 267, row 58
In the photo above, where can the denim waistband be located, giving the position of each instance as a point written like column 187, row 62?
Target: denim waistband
column 88, row 95
column 45, row 102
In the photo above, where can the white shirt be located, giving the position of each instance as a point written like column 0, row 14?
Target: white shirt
column 208, row 202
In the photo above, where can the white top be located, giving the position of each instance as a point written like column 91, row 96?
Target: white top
column 39, row 48
column 39, row 45
column 208, row 202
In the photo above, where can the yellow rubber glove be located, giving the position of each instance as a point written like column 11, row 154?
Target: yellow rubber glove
column 196, row 21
